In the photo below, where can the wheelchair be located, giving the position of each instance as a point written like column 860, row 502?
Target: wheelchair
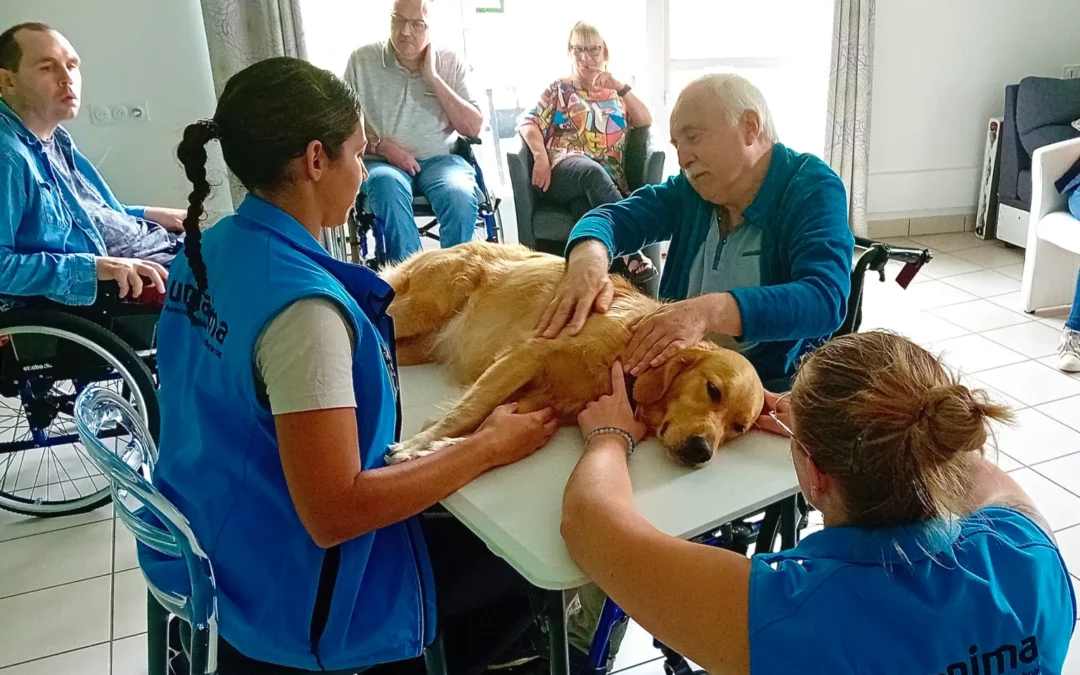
column 49, row 354
column 784, row 519
column 363, row 223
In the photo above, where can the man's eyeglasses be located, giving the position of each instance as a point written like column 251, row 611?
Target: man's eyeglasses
column 416, row 25
column 592, row 51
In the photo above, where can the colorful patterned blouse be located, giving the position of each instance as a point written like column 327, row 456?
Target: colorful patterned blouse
column 576, row 122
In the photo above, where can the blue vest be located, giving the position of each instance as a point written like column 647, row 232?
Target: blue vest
column 281, row 598
column 988, row 595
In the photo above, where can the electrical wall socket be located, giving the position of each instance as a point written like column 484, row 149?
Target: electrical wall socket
column 119, row 113
column 1072, row 72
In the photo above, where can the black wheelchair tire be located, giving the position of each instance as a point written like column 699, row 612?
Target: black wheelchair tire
column 140, row 377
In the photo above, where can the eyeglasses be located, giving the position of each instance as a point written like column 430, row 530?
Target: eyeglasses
column 856, row 446
column 592, row 51
column 785, row 428
column 416, row 25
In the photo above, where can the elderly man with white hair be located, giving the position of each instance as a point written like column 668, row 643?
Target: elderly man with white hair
column 760, row 254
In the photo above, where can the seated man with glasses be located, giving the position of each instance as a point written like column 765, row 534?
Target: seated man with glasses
column 416, row 103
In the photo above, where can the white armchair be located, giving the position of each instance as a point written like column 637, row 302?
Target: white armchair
column 1053, row 247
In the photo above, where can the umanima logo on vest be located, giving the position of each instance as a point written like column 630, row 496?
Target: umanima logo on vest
column 1005, row 660
column 216, row 328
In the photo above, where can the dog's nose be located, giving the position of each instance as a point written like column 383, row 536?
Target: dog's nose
column 695, row 450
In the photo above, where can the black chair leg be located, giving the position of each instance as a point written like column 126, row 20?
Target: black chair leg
column 435, row 656
column 157, row 637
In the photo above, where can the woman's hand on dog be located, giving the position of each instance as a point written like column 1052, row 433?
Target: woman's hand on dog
column 781, row 404
column 513, row 436
column 612, row 410
column 585, row 287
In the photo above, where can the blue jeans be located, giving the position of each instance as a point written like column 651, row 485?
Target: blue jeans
column 448, row 182
column 1073, row 322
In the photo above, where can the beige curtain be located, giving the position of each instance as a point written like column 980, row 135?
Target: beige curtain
column 242, row 32
column 847, row 139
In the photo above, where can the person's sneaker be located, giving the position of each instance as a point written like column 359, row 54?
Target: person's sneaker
column 1069, row 351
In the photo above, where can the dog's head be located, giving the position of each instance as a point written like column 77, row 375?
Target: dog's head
column 698, row 400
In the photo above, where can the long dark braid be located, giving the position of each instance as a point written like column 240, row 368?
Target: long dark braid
column 267, row 116
column 192, row 154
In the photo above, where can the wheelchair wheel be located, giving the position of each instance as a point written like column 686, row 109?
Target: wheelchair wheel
column 47, row 358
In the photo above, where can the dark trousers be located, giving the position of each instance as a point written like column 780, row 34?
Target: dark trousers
column 477, row 593
column 581, row 184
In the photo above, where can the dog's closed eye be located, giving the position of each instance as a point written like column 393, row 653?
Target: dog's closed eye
column 714, row 392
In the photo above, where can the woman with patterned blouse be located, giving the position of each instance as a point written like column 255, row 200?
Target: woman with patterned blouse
column 577, row 134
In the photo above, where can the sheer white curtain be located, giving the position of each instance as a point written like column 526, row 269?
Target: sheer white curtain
column 847, row 137
column 242, row 32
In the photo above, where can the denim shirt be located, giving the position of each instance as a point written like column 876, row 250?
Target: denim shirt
column 48, row 241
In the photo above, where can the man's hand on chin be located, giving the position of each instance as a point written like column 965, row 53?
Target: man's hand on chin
column 171, row 219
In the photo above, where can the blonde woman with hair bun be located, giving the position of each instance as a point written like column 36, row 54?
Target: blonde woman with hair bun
column 932, row 559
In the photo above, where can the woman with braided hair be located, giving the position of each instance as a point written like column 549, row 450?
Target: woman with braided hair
column 278, row 391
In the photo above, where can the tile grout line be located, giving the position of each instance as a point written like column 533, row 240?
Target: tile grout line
column 1054, row 481
column 42, row 658
column 112, row 595
column 1070, row 527
column 54, row 586
column 59, row 529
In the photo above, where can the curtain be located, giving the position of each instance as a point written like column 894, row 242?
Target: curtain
column 242, row 32
column 847, row 138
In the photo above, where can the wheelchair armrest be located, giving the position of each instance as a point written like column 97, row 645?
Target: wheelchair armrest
column 463, row 147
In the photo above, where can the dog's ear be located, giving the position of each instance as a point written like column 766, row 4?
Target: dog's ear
column 654, row 382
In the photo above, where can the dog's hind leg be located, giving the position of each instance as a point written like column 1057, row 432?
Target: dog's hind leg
column 512, row 371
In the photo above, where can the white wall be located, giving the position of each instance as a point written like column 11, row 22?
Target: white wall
column 133, row 51
column 940, row 70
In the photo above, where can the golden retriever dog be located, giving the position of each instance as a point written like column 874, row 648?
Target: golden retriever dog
column 473, row 309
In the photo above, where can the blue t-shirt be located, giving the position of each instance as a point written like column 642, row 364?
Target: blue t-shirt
column 986, row 595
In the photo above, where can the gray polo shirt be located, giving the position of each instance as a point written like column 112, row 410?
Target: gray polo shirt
column 725, row 262
column 402, row 106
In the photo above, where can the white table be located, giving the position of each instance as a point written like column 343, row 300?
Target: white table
column 516, row 510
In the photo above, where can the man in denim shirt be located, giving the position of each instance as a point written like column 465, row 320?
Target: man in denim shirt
column 61, row 228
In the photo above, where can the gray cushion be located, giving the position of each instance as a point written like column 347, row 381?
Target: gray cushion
column 552, row 223
column 1023, row 186
column 1042, row 105
column 1047, row 135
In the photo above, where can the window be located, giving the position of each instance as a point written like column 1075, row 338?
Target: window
column 782, row 46
column 333, row 29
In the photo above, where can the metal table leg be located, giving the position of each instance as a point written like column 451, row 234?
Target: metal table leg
column 555, row 617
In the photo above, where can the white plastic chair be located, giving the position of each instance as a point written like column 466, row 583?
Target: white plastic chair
column 1053, row 246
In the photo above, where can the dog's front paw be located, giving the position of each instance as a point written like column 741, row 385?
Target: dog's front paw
column 412, row 448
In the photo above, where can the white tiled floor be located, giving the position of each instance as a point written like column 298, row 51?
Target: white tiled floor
column 72, row 600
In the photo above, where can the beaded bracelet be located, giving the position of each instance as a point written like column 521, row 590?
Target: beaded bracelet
column 600, row 431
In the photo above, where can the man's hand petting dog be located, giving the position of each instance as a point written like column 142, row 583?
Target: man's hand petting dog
column 612, row 410
column 655, row 338
column 658, row 337
column 585, row 287
column 513, row 436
